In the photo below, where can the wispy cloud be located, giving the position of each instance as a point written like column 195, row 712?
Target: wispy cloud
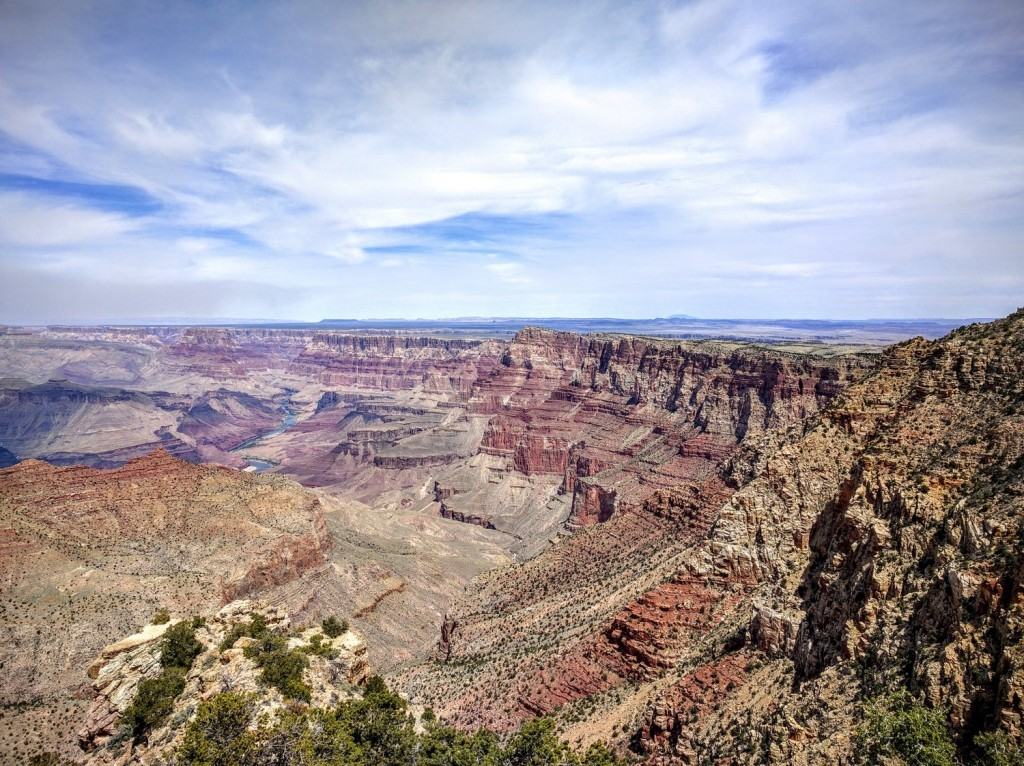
column 517, row 158
column 26, row 221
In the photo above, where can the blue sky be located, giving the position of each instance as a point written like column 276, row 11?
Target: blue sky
column 408, row 159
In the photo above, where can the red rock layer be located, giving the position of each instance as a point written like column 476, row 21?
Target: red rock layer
column 374, row 362
column 621, row 418
column 388, row 363
column 640, row 432
column 753, row 608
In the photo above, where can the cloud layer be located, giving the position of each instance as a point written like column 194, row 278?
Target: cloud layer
column 404, row 159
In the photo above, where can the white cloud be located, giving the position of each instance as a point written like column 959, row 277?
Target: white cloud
column 26, row 220
column 509, row 273
column 670, row 138
column 351, row 254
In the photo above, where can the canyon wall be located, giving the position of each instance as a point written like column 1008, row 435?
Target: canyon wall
column 703, row 551
column 746, row 609
column 617, row 419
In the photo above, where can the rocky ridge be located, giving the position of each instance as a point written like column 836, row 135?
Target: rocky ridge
column 337, row 666
column 745, row 613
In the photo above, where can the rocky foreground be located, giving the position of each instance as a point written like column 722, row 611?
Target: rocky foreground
column 334, row 668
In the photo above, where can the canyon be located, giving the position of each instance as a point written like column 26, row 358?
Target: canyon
column 697, row 550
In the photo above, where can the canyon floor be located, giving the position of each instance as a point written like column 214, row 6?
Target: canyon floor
column 691, row 549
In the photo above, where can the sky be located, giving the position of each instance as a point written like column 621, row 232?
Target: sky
column 306, row 160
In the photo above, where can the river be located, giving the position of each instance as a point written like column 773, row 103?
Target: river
column 260, row 464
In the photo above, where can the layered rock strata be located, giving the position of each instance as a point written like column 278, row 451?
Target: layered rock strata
column 745, row 610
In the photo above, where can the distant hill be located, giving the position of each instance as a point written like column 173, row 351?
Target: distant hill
column 875, row 332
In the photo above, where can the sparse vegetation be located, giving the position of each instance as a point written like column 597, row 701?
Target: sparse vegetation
column 376, row 730
column 48, row 759
column 333, row 627
column 161, row 617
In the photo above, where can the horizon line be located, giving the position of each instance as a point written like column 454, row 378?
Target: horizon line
column 680, row 319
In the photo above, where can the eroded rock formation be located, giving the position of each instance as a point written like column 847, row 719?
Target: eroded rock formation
column 720, row 549
column 334, row 673
column 744, row 609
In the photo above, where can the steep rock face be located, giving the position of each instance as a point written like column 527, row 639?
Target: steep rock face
column 225, row 354
column 226, row 419
column 59, row 418
column 875, row 550
column 387, row 363
column 480, row 521
column 623, row 412
column 87, row 555
column 591, row 503
column 747, row 609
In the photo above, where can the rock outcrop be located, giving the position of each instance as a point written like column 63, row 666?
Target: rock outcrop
column 335, row 669
column 466, row 518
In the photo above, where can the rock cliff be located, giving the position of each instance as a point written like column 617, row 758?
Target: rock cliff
column 706, row 552
column 802, row 556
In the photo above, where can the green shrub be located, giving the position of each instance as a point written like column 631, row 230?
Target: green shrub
column 218, row 735
column 378, row 726
column 317, row 646
column 161, row 617
column 997, row 748
column 536, row 744
column 255, row 628
column 445, row 746
column 281, row 667
column 180, row 646
column 153, row 701
column 333, row 627
column 897, row 726
column 598, row 754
